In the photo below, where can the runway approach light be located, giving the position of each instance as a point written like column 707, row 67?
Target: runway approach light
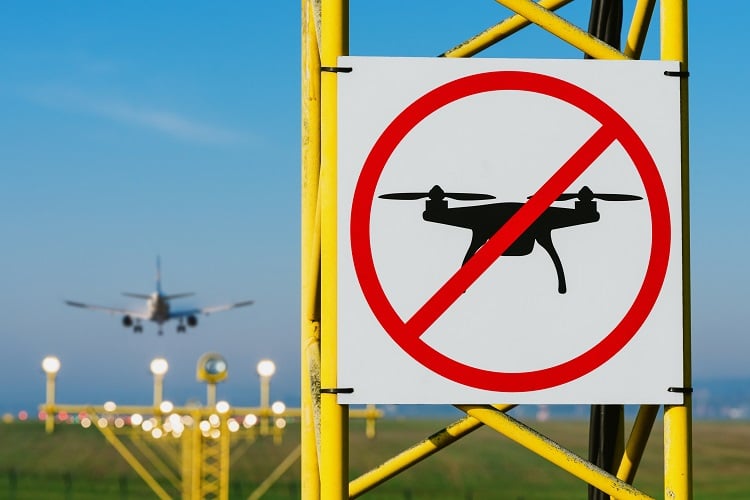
column 278, row 408
column 159, row 366
column 222, row 407
column 51, row 365
column 266, row 368
column 212, row 368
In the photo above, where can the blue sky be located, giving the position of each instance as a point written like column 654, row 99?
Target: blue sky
column 131, row 130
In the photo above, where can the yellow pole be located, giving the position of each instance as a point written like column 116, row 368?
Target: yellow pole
column 210, row 395
column 561, row 28
column 265, row 390
column 158, row 390
column 196, row 455
column 49, row 406
column 224, row 447
column 370, row 421
column 334, row 417
column 310, row 254
column 186, row 467
column 678, row 483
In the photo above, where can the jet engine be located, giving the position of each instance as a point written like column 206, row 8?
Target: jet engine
column 192, row 321
column 127, row 321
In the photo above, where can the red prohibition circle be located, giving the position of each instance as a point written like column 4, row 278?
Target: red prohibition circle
column 402, row 332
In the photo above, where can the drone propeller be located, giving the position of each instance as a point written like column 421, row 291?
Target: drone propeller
column 436, row 193
column 585, row 194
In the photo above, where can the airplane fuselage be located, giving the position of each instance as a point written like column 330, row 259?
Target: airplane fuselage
column 158, row 308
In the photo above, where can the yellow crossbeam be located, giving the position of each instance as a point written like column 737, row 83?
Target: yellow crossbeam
column 563, row 29
column 498, row 32
column 412, row 456
column 553, row 452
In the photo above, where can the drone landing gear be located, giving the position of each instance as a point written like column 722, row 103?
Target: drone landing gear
column 545, row 241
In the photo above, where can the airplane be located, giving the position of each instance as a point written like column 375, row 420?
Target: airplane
column 159, row 310
column 485, row 220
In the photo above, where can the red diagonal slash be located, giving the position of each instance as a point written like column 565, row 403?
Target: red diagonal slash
column 509, row 232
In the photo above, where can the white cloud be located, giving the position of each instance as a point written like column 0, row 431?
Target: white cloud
column 160, row 120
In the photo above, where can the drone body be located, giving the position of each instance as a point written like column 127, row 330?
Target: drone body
column 485, row 220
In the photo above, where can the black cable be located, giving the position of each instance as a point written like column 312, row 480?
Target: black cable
column 606, row 421
column 605, row 22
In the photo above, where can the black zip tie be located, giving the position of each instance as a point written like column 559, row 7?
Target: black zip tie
column 681, row 390
column 335, row 69
column 677, row 73
column 337, row 390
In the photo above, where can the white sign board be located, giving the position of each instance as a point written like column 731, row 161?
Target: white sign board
column 509, row 231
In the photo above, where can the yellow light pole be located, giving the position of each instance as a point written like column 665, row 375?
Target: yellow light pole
column 266, row 368
column 50, row 365
column 159, row 367
column 222, row 408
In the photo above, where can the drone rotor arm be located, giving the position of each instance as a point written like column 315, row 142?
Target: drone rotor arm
column 616, row 197
column 436, row 193
column 469, row 196
column 403, row 196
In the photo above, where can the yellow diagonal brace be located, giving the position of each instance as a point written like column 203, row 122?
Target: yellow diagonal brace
column 156, row 461
column 276, row 474
column 637, row 442
column 549, row 450
column 639, row 28
column 416, row 454
column 170, row 450
column 131, row 460
column 563, row 29
column 240, row 450
column 498, row 32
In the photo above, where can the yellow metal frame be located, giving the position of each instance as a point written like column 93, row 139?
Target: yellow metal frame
column 191, row 464
column 324, row 439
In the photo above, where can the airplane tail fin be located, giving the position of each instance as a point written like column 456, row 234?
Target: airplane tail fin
column 158, row 274
column 158, row 284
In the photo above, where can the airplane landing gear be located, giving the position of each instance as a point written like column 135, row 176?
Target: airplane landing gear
column 138, row 329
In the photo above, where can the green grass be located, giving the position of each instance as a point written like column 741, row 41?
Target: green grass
column 76, row 463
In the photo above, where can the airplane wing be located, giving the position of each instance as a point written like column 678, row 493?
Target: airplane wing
column 209, row 310
column 110, row 310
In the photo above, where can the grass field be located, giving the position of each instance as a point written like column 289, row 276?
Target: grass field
column 76, row 463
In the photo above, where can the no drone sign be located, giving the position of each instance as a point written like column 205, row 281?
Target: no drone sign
column 509, row 231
